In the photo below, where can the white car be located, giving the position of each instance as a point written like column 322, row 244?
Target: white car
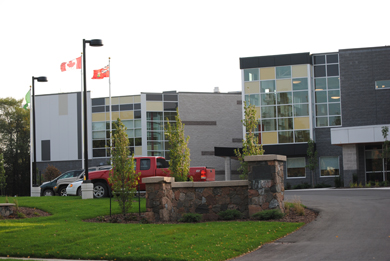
column 74, row 188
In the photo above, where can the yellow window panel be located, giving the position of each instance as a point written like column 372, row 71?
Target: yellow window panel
column 114, row 100
column 99, row 116
column 267, row 73
column 154, row 106
column 283, row 85
column 252, row 87
column 127, row 99
column 127, row 115
column 270, row 138
column 301, row 123
column 114, row 116
column 138, row 151
column 137, row 99
column 299, row 70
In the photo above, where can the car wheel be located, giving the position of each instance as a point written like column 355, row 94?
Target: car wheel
column 99, row 190
column 48, row 192
column 79, row 193
column 62, row 191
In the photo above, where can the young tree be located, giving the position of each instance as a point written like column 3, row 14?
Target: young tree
column 15, row 145
column 3, row 177
column 385, row 148
column 179, row 152
column 123, row 178
column 313, row 160
column 250, row 145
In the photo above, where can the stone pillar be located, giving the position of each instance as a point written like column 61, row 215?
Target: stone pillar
column 87, row 190
column 266, row 182
column 228, row 172
column 159, row 197
column 350, row 162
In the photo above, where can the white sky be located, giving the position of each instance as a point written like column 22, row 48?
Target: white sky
column 169, row 45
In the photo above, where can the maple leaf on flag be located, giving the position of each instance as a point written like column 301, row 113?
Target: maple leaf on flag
column 71, row 64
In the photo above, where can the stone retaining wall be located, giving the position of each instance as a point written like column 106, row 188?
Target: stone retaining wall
column 167, row 200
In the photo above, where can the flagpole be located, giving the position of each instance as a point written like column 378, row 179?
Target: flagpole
column 109, row 83
column 31, row 147
column 82, row 115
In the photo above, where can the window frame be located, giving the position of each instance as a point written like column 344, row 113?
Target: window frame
column 319, row 166
column 287, row 177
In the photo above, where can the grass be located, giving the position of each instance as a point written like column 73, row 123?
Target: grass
column 64, row 234
column 296, row 205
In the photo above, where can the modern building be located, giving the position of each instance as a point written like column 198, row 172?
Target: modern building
column 340, row 100
column 211, row 119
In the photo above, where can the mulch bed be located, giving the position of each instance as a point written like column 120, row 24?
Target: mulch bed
column 132, row 218
column 28, row 213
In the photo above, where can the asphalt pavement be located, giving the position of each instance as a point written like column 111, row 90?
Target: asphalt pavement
column 353, row 224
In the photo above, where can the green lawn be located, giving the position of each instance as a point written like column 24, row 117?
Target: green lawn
column 65, row 235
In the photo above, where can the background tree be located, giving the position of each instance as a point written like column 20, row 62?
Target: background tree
column 51, row 173
column 15, row 145
column 250, row 145
column 385, row 148
column 3, row 177
column 313, row 159
column 179, row 153
column 123, row 177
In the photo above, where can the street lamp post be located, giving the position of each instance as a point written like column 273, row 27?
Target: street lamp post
column 34, row 165
column 96, row 43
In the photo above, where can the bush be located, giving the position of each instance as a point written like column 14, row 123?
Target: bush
column 190, row 218
column 51, row 173
column 322, row 185
column 302, row 186
column 230, row 214
column 268, row 214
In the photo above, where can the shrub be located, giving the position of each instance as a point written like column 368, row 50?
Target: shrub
column 51, row 173
column 376, row 183
column 21, row 215
column 322, row 185
column 230, row 214
column 368, row 184
column 101, row 219
column 288, row 186
column 190, row 217
column 360, row 185
column 268, row 214
column 36, row 214
column 338, row 183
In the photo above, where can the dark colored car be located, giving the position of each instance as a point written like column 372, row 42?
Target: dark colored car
column 47, row 187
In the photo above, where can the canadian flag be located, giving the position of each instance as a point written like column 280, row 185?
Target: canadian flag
column 71, row 65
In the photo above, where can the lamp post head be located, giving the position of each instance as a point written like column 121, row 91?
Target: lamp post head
column 42, row 79
column 95, row 42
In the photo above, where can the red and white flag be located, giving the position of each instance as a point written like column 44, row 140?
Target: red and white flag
column 101, row 73
column 71, row 65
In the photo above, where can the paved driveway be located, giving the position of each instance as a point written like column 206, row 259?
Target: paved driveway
column 354, row 224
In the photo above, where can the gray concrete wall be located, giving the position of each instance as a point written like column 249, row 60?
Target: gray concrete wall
column 213, row 120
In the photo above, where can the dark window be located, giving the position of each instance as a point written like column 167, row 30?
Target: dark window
column 137, row 114
column 154, row 97
column 332, row 58
column 99, row 143
column 320, row 59
column 115, row 107
column 138, row 141
column 170, row 106
column 45, row 145
column 98, row 109
column 99, row 153
column 319, row 71
column 98, row 101
column 137, row 106
column 170, row 97
column 333, row 70
column 127, row 107
column 131, row 141
column 144, row 164
column 162, row 163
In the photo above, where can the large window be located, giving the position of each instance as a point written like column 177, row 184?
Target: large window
column 375, row 165
column 327, row 90
column 329, row 166
column 296, row 167
column 382, row 84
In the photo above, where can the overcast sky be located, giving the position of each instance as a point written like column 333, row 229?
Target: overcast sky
column 168, row 45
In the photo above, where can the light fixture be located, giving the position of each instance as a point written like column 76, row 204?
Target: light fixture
column 266, row 90
column 296, row 82
column 335, row 97
column 319, row 89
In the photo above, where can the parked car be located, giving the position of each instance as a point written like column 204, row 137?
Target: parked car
column 60, row 187
column 74, row 188
column 47, row 188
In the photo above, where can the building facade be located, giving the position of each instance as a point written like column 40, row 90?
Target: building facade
column 340, row 100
